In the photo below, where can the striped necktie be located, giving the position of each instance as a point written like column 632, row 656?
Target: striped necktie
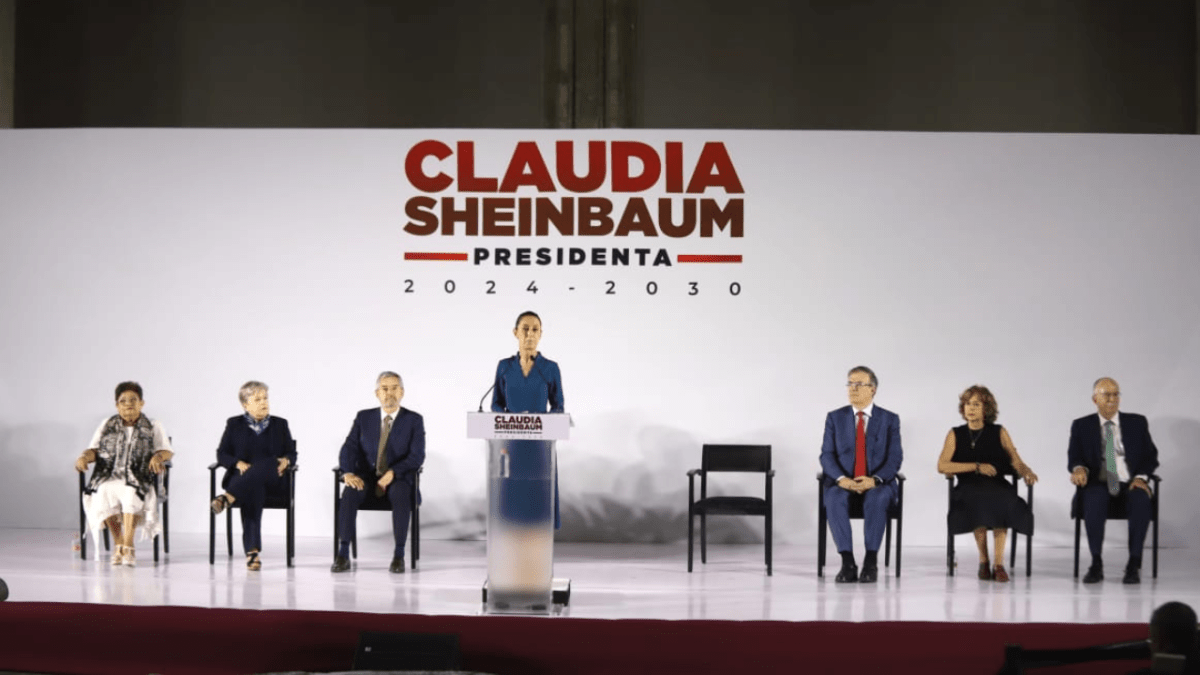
column 1110, row 460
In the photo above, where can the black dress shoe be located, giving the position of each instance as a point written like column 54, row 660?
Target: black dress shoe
column 340, row 564
column 847, row 575
column 1132, row 576
column 397, row 566
column 869, row 575
column 1094, row 575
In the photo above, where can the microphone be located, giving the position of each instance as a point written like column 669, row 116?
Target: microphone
column 485, row 395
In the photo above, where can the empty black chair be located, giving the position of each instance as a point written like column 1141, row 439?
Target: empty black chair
column 1116, row 511
column 374, row 503
column 729, row 458
column 164, row 505
column 285, row 502
column 950, row 562
column 895, row 512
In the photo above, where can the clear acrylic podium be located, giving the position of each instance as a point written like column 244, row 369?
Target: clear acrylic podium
column 520, row 521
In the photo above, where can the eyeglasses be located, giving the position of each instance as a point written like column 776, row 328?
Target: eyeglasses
column 858, row 385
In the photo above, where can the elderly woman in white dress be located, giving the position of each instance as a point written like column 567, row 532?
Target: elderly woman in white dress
column 130, row 451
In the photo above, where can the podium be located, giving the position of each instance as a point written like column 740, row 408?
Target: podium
column 521, row 466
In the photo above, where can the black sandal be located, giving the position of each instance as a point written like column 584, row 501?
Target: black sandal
column 252, row 561
column 219, row 504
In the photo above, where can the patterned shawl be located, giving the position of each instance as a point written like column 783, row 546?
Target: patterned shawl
column 133, row 461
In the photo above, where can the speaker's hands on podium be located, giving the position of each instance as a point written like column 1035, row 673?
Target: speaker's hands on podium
column 353, row 481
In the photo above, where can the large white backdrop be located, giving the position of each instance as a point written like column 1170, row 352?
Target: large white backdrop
column 194, row 260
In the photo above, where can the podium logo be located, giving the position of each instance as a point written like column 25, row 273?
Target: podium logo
column 696, row 196
column 510, row 423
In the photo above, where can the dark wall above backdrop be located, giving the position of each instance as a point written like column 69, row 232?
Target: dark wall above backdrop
column 1120, row 66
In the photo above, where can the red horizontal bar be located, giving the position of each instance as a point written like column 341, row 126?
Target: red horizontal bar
column 709, row 258
column 415, row 255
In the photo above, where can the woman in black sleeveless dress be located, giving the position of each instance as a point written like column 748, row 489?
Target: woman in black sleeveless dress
column 981, row 454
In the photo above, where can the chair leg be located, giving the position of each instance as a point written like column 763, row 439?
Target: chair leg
column 212, row 537
column 703, row 539
column 1077, row 547
column 291, row 534
column 822, row 540
column 949, row 553
column 1154, row 549
column 354, row 546
column 166, row 535
column 1012, row 557
column 229, row 530
column 768, row 538
column 156, row 548
column 887, row 543
column 690, row 538
column 899, row 541
column 1029, row 555
column 414, row 551
column 107, row 548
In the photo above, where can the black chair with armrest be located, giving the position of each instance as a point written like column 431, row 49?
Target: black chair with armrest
column 382, row 504
column 895, row 512
column 729, row 458
column 1116, row 511
column 284, row 502
column 950, row 560
column 164, row 505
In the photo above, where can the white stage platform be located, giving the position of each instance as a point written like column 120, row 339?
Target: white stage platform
column 608, row 581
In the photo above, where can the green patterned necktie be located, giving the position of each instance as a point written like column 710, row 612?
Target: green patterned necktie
column 381, row 457
column 1110, row 460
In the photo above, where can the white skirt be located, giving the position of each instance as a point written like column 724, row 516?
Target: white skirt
column 113, row 497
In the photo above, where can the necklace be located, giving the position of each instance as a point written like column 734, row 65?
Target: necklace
column 974, row 436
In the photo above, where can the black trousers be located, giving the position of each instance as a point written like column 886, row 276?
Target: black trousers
column 250, row 490
column 398, row 497
column 1095, row 516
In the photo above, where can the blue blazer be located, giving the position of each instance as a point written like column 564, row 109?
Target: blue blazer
column 884, row 453
column 1086, row 447
column 239, row 443
column 405, row 449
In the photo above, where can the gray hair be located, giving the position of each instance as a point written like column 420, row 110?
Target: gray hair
column 865, row 371
column 249, row 388
column 388, row 373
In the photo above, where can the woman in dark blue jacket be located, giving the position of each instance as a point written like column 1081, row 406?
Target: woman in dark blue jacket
column 256, row 449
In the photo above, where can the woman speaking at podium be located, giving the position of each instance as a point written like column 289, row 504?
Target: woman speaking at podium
column 528, row 383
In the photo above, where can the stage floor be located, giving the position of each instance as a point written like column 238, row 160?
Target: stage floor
column 608, row 581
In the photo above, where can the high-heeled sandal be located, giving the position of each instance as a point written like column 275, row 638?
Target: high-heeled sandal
column 127, row 558
column 219, row 504
column 252, row 561
column 118, row 556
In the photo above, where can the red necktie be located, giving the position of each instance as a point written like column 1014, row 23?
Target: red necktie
column 860, row 447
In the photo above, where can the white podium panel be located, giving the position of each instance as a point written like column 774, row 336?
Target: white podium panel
column 521, row 470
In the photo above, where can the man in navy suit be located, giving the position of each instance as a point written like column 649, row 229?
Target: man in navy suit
column 1111, row 456
column 860, row 455
column 379, row 459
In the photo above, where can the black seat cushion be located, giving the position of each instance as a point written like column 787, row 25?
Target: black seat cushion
column 731, row 506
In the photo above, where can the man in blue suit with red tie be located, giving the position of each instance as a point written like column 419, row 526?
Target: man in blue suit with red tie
column 860, row 455
column 381, row 455
column 1111, row 456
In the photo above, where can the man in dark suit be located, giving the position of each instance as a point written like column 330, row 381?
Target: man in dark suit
column 379, row 459
column 860, row 455
column 1111, row 456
